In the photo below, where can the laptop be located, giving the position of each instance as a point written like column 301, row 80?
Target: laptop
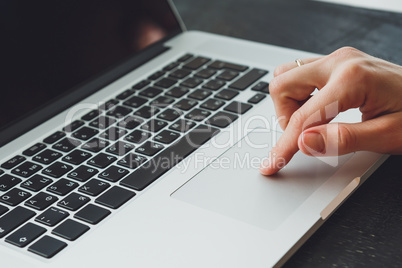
column 129, row 141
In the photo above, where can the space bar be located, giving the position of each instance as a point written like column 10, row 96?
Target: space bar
column 168, row 158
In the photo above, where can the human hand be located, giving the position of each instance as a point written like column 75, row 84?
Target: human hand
column 347, row 78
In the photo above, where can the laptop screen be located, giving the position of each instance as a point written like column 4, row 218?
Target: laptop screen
column 48, row 47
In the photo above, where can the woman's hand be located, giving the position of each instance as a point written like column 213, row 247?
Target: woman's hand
column 347, row 78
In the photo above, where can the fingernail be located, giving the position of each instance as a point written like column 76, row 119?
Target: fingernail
column 313, row 143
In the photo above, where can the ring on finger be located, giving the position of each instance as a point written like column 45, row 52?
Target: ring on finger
column 299, row 62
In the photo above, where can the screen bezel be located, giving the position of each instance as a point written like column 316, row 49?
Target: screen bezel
column 88, row 87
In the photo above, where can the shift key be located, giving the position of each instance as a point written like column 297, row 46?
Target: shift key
column 13, row 219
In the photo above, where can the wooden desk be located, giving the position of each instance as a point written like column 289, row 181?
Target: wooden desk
column 367, row 229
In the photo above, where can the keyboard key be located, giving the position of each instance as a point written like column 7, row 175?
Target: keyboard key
column 25, row 235
column 262, row 87
column 13, row 162
column 113, row 173
column 34, row 149
column 70, row 230
column 141, row 84
column 170, row 114
column 166, row 137
column 76, row 157
column 206, row 73
column 154, row 125
column 73, row 126
column 238, row 107
column 101, row 160
column 52, row 216
column 147, row 111
column 94, row 187
column 82, row 173
column 228, row 75
column 62, row 187
column 214, row 84
column 3, row 209
column 226, row 94
column 14, row 197
column 149, row 148
column 54, row 137
column 47, row 246
column 184, row 58
column 151, row 92
column 177, row 92
column 192, row 82
column 165, row 83
column 95, row 145
column 248, row 79
column 84, row 133
column 13, row 219
column 200, row 94
column 36, row 183
column 57, row 169
column 91, row 115
column 26, row 169
column 46, row 157
column 132, row 160
column 135, row 101
column 198, row 115
column 92, row 214
column 185, row 104
column 182, row 125
column 180, row 73
column 8, row 181
column 212, row 104
column 171, row 66
column 221, row 119
column 152, row 170
column 196, row 63
column 256, row 98
column 41, row 201
column 156, row 75
column 113, row 133
column 120, row 148
column 125, row 94
column 137, row 136
column 73, row 201
column 108, row 105
column 130, row 122
column 162, row 102
column 115, row 197
column 226, row 65
column 66, row 145
column 103, row 122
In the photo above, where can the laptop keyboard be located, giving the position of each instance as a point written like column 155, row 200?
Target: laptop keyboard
column 58, row 189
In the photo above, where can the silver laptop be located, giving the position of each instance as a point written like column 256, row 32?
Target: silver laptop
column 130, row 142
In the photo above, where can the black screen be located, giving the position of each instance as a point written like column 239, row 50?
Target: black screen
column 49, row 47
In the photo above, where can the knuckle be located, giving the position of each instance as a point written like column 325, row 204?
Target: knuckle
column 274, row 87
column 347, row 139
column 279, row 70
column 297, row 119
column 346, row 52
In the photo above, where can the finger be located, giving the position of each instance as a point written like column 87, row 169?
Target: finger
column 290, row 90
column 320, row 109
column 381, row 134
column 283, row 68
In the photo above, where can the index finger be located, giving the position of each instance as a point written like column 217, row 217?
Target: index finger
column 320, row 109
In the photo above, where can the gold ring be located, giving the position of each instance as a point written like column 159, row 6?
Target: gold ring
column 299, row 62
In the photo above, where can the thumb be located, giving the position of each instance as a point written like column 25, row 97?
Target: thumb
column 342, row 138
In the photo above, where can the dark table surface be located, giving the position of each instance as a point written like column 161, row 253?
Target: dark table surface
column 367, row 229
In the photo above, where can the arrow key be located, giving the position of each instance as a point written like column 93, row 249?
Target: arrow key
column 25, row 235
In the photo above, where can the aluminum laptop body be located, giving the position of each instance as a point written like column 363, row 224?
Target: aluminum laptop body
column 211, row 209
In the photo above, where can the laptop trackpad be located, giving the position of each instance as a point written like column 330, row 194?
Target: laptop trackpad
column 231, row 184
